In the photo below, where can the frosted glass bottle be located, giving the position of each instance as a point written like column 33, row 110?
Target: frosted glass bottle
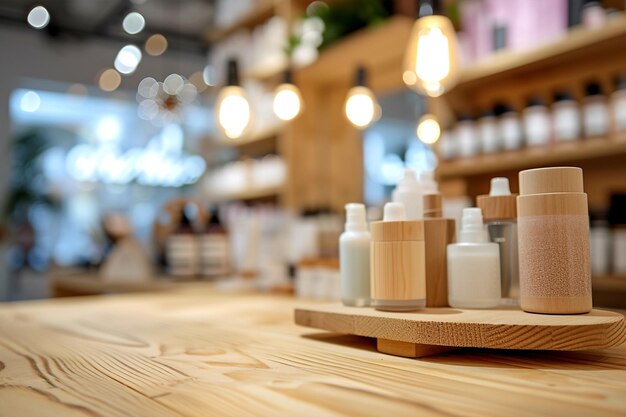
column 409, row 193
column 354, row 258
column 473, row 265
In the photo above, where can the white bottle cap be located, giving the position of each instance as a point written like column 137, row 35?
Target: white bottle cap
column 428, row 183
column 499, row 186
column 472, row 229
column 355, row 217
column 394, row 212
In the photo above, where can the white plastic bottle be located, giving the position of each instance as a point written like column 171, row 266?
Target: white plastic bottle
column 427, row 183
column 473, row 265
column 354, row 258
column 409, row 193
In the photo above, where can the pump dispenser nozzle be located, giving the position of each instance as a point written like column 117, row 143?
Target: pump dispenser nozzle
column 472, row 229
column 394, row 212
column 499, row 186
column 355, row 217
column 408, row 192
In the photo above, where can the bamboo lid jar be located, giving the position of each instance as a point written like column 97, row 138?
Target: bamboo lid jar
column 398, row 265
column 553, row 227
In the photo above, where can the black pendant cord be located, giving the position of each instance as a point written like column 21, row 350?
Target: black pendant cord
column 233, row 72
column 361, row 77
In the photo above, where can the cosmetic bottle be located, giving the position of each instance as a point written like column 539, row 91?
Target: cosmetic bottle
column 447, row 145
column 618, row 104
column 595, row 111
column 214, row 249
column 467, row 136
column 182, row 249
column 398, row 261
column 438, row 234
column 428, row 184
column 409, row 194
column 488, row 132
column 499, row 210
column 600, row 244
column 553, row 233
column 537, row 123
column 473, row 265
column 565, row 117
column 617, row 220
column 593, row 14
column 510, row 127
column 354, row 258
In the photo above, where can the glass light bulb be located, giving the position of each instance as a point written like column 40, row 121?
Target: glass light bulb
column 361, row 107
column 432, row 56
column 428, row 130
column 287, row 103
column 233, row 111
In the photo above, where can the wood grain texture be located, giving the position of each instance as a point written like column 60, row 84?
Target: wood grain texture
column 192, row 352
column 501, row 328
column 398, row 270
column 438, row 233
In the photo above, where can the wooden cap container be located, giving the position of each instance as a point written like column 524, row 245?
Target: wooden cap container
column 553, row 230
column 398, row 265
column 498, row 207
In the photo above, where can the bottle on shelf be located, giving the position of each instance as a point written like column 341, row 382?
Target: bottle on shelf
column 499, row 209
column 448, row 145
column 617, row 219
column 398, row 261
column 473, row 265
column 214, row 248
column 600, row 244
column 488, row 132
column 595, row 110
column 467, row 136
column 354, row 258
column 510, row 127
column 618, row 104
column 537, row 123
column 565, row 117
column 182, row 247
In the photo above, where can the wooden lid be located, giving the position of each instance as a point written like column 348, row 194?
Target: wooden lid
column 551, row 180
column 433, row 205
column 498, row 207
column 395, row 231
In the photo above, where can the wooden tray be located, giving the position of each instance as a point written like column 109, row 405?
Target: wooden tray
column 434, row 330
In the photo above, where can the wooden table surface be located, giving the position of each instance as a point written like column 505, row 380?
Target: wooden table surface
column 193, row 352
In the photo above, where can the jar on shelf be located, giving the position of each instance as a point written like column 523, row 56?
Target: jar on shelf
column 537, row 123
column 595, row 111
column 618, row 104
column 565, row 117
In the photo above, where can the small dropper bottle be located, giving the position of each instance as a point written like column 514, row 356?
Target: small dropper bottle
column 354, row 258
column 499, row 209
column 473, row 265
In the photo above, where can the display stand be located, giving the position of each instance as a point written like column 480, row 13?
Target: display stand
column 433, row 330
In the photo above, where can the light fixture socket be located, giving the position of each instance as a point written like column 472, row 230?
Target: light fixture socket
column 288, row 76
column 429, row 8
column 361, row 76
column 232, row 72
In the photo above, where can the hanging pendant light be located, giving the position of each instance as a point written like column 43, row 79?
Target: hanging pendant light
column 232, row 108
column 287, row 102
column 361, row 106
column 431, row 60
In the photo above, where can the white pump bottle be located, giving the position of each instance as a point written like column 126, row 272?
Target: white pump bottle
column 409, row 193
column 354, row 258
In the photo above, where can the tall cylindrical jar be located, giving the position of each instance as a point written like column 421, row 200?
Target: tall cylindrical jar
column 553, row 227
column 354, row 258
column 398, row 261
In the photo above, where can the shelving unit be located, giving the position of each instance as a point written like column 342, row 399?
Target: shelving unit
column 568, row 63
column 250, row 195
column 561, row 153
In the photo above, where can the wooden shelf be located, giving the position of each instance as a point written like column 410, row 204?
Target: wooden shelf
column 250, row 194
column 561, row 153
column 257, row 15
column 377, row 48
column 578, row 45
